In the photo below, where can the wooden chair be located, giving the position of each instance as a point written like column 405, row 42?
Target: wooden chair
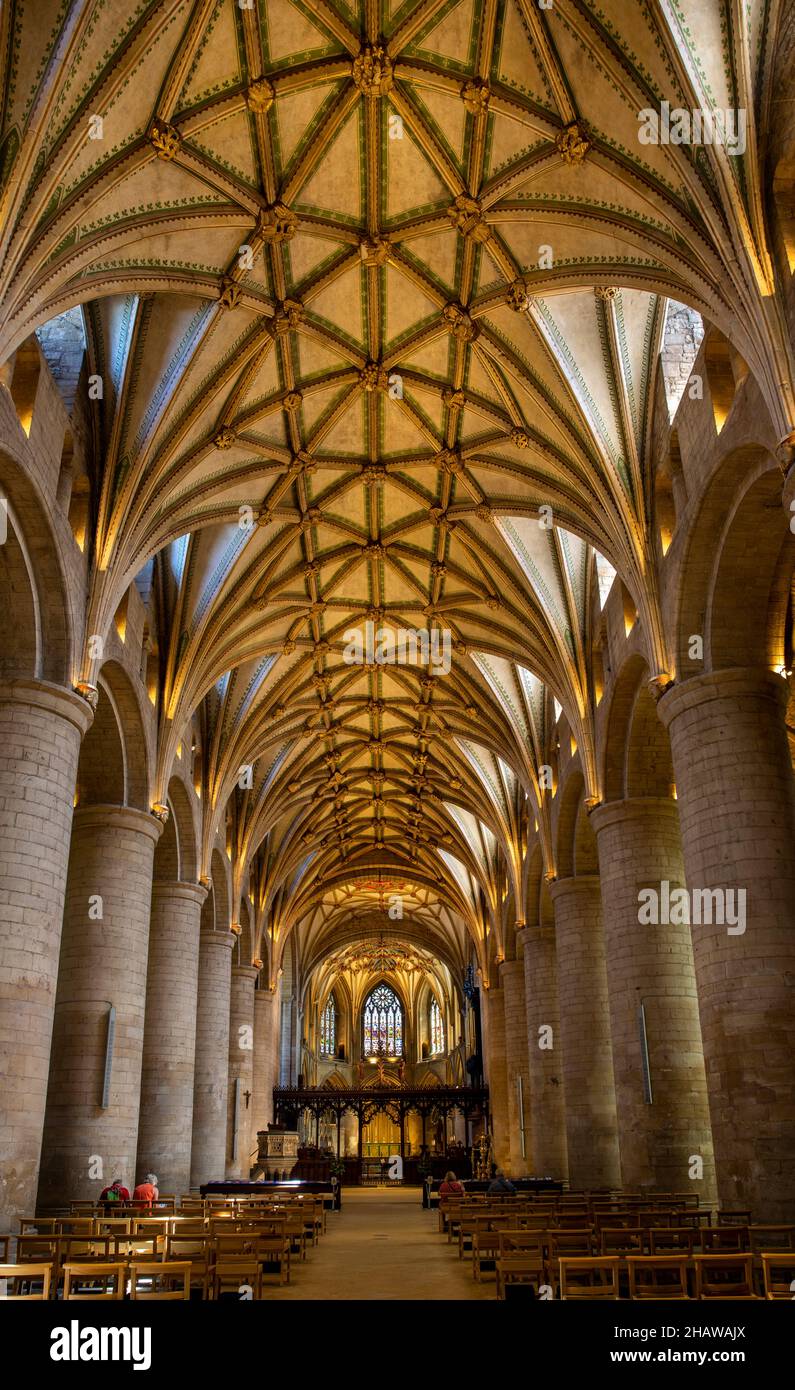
column 521, row 1260
column 778, row 1275
column 155, row 1279
column 485, row 1252
column 235, row 1274
column 734, row 1218
column 147, row 1248
column 589, row 1277
column 729, row 1277
column 198, row 1252
column 622, row 1240
column 570, row 1243
column 662, row 1277
column 670, row 1240
column 39, row 1225
column 113, row 1226
column 40, row 1250
column 771, row 1238
column 75, row 1225
column 21, row 1278
column 717, row 1239
column 5, row 1244
column 94, row 1281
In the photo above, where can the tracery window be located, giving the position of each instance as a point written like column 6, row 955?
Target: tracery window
column 383, row 1023
column 328, row 1028
column 436, row 1029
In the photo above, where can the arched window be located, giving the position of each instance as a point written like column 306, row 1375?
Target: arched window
column 383, row 1023
column 328, row 1028
column 436, row 1029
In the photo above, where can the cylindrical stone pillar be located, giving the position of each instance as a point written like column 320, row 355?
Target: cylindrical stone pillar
column 262, row 1099
column 498, row 1078
column 665, row 1142
column 40, row 731
column 90, row 1137
column 544, row 1053
column 241, row 1071
column 591, row 1129
column 516, row 1066
column 737, row 812
column 166, row 1125
column 211, row 1076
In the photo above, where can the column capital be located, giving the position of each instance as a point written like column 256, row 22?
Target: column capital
column 246, row 972
column 632, row 808
column 264, row 996
column 210, row 937
column 180, row 889
column 55, row 699
column 583, row 884
column 731, row 683
column 102, row 817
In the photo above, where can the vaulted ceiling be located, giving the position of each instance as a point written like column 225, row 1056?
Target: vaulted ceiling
column 376, row 292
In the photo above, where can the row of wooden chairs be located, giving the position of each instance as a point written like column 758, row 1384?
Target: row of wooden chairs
column 139, row 1279
column 623, row 1240
column 522, row 1257
column 666, row 1278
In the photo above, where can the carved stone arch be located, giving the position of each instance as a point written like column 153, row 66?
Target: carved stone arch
column 135, row 743
column 617, row 726
column 36, row 622
column 570, row 795
column 740, row 522
column 101, row 768
column 752, row 578
column 186, row 829
column 244, row 949
column 534, row 875
column 220, row 873
column 166, row 868
column 20, row 611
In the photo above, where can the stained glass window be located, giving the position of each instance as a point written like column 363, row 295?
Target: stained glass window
column 328, row 1028
column 383, row 1023
column 437, row 1028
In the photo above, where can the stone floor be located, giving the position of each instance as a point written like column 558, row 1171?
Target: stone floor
column 383, row 1245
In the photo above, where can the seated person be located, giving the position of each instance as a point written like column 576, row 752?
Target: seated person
column 146, row 1192
column 117, row 1192
column 450, row 1186
column 500, row 1183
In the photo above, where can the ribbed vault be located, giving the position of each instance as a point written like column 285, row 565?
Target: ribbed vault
column 376, row 292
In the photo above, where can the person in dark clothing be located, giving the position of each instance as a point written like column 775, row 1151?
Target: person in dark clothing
column 500, row 1183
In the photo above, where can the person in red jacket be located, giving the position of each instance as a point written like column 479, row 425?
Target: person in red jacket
column 147, row 1192
column 117, row 1192
column 450, row 1186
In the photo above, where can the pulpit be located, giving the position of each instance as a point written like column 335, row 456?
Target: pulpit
column 277, row 1147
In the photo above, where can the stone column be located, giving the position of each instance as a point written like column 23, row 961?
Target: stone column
column 516, row 1064
column 737, row 812
column 498, row 1078
column 104, row 955
column 591, row 1129
column 40, row 731
column 544, row 1053
column 211, row 1076
column 652, row 965
column 241, row 1068
column 262, row 1100
column 166, row 1126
